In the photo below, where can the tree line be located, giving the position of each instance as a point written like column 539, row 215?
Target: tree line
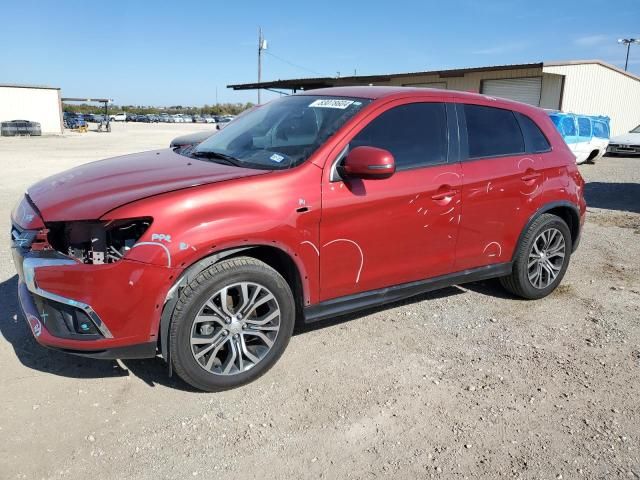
column 218, row 109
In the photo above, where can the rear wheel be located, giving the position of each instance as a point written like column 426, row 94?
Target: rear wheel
column 231, row 324
column 541, row 260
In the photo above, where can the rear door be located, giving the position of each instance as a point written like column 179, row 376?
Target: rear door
column 502, row 179
column 379, row 233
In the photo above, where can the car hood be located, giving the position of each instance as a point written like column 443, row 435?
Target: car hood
column 89, row 191
column 630, row 138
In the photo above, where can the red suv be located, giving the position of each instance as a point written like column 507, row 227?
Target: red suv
column 309, row 207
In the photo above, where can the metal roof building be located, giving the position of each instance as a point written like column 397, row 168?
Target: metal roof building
column 590, row 87
column 36, row 103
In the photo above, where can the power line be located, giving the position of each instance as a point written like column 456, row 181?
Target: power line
column 293, row 64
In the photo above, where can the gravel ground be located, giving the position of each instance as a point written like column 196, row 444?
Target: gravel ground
column 465, row 382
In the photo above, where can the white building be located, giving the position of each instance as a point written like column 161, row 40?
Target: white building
column 34, row 103
column 590, row 87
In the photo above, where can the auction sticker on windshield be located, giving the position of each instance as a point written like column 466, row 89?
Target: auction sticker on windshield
column 331, row 103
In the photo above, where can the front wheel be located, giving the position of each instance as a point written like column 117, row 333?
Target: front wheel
column 231, row 324
column 541, row 260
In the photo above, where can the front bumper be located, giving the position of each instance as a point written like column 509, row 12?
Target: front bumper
column 105, row 311
column 622, row 149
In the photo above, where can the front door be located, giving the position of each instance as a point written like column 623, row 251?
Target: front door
column 379, row 233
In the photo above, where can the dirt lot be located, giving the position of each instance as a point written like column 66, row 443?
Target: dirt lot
column 462, row 383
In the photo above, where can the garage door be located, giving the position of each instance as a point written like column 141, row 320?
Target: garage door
column 525, row 90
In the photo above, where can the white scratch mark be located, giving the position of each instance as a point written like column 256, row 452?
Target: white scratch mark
column 425, row 226
column 164, row 247
column 493, row 254
column 357, row 246
column 420, row 209
column 488, row 187
column 312, row 246
column 448, row 211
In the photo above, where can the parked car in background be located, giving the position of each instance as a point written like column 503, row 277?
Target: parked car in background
column 222, row 122
column 309, row 207
column 118, row 117
column 143, row 119
column 177, row 118
column 75, row 121
column 627, row 144
column 209, row 119
column 587, row 136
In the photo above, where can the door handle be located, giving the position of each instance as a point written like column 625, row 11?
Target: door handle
column 530, row 176
column 443, row 195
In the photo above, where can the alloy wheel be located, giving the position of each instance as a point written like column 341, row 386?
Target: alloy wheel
column 235, row 329
column 546, row 258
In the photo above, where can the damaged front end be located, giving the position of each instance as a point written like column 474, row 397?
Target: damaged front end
column 78, row 290
column 95, row 242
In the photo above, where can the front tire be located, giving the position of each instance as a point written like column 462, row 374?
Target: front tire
column 231, row 324
column 541, row 260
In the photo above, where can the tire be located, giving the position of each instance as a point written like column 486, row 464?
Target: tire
column 229, row 351
column 520, row 281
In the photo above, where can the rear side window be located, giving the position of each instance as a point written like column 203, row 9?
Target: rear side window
column 415, row 134
column 584, row 127
column 600, row 130
column 492, row 132
column 568, row 127
column 534, row 139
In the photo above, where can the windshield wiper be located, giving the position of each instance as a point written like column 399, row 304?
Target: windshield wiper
column 228, row 159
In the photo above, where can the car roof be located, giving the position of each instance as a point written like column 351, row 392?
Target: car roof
column 380, row 92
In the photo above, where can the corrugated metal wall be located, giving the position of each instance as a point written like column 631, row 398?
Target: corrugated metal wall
column 469, row 82
column 33, row 104
column 594, row 89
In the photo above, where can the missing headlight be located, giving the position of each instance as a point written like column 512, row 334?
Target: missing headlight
column 97, row 242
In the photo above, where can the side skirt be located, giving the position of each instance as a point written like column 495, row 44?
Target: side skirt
column 359, row 301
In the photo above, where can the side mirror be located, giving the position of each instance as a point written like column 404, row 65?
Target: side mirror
column 368, row 162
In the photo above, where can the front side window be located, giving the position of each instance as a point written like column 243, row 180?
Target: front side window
column 281, row 134
column 635, row 130
column 415, row 134
column 492, row 132
column 584, row 127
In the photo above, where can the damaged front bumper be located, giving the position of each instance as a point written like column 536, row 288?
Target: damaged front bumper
column 104, row 311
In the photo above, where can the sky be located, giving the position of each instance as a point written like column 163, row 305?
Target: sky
column 187, row 52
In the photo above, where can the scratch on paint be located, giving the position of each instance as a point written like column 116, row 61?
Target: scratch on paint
column 312, row 246
column 448, row 211
column 493, row 254
column 359, row 250
column 164, row 247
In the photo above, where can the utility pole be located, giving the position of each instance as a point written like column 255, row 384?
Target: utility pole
column 627, row 42
column 262, row 45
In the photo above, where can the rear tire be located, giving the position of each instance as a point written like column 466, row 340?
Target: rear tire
column 231, row 324
column 541, row 260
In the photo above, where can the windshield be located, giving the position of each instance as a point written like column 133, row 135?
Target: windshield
column 281, row 134
column 635, row 130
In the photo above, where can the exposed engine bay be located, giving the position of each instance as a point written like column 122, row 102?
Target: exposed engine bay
column 95, row 242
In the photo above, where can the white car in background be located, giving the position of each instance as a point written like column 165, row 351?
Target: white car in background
column 627, row 144
column 118, row 117
column 587, row 136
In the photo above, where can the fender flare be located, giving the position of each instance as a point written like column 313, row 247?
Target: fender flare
column 544, row 209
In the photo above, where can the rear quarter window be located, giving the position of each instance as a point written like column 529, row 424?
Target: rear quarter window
column 600, row 130
column 535, row 141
